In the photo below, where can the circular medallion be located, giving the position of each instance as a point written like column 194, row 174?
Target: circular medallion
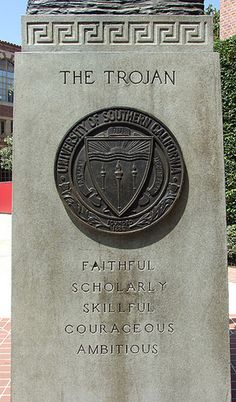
column 119, row 170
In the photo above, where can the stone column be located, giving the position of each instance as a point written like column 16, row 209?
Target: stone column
column 119, row 256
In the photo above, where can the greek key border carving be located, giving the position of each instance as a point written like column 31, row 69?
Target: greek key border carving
column 116, row 33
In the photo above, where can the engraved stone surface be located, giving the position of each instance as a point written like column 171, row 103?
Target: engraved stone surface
column 99, row 316
column 105, row 317
column 115, row 7
column 122, row 172
column 162, row 33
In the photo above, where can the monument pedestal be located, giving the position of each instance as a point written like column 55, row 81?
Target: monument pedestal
column 101, row 316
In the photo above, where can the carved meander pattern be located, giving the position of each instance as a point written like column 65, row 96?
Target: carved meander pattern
column 116, row 33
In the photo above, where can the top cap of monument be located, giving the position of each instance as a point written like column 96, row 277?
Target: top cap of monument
column 176, row 7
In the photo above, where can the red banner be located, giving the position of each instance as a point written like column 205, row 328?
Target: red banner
column 6, row 197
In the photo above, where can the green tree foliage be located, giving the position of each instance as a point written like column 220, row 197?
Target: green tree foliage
column 210, row 10
column 227, row 51
column 6, row 154
column 231, row 234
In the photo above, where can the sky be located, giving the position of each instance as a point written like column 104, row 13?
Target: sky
column 10, row 16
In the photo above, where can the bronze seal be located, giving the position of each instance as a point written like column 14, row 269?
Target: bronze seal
column 119, row 170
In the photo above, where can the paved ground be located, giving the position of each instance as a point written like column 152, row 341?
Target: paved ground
column 5, row 312
column 5, row 265
column 232, row 327
column 5, row 359
column 5, row 307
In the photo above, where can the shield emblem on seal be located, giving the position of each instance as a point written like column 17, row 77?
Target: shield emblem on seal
column 119, row 167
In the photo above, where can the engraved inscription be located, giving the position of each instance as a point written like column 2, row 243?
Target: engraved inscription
column 114, row 266
column 119, row 77
column 118, row 315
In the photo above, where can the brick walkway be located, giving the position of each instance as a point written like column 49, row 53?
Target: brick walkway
column 232, row 326
column 5, row 359
column 5, row 351
column 232, row 332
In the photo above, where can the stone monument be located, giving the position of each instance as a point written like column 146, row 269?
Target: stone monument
column 116, row 7
column 119, row 256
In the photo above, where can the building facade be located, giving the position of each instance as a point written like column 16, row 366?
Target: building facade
column 227, row 18
column 7, row 52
